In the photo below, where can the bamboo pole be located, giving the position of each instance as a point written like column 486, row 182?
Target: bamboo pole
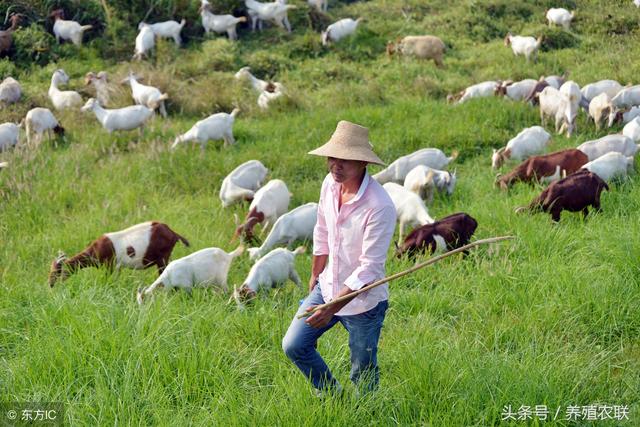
column 404, row 273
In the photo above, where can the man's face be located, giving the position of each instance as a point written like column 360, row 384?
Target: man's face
column 345, row 170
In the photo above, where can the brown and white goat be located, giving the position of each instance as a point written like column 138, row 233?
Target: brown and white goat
column 449, row 233
column 140, row 246
column 547, row 168
column 574, row 193
column 268, row 204
column 6, row 36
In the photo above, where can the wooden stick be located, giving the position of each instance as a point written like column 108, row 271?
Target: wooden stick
column 404, row 273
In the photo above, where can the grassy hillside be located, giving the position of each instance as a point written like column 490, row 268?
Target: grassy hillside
column 551, row 318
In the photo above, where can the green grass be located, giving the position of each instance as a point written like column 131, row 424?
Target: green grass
column 551, row 318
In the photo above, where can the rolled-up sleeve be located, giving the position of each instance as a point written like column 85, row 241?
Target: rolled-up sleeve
column 377, row 237
column 320, row 232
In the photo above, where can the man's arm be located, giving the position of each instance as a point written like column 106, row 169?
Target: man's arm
column 317, row 267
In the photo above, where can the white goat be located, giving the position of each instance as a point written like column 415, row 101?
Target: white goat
column 242, row 182
column 10, row 91
column 410, row 208
column 63, row 99
column 9, row 133
column 149, row 96
column 127, row 118
column 40, row 120
column 611, row 165
column 257, row 84
column 627, row 97
column 479, row 90
column 521, row 45
column 610, row 87
column 145, row 42
column 68, row 30
column 570, row 107
column 204, row 268
column 275, row 91
column 166, row 29
column 617, row 143
column 272, row 269
column 560, row 16
column 600, row 108
column 295, row 225
column 100, row 83
column 556, row 81
column 528, row 142
column 632, row 129
column 517, row 91
column 399, row 168
column 320, row 5
column 623, row 116
column 216, row 126
column 268, row 204
column 422, row 180
column 275, row 12
column 219, row 23
column 552, row 104
column 636, row 2
column 339, row 30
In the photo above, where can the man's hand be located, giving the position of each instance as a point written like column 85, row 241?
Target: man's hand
column 312, row 283
column 320, row 318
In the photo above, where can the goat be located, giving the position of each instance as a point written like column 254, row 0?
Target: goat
column 545, row 168
column 138, row 247
column 294, row 225
column 451, row 232
column 242, row 182
column 63, row 99
column 149, row 96
column 610, row 87
column 268, row 204
column 219, row 23
column 10, row 91
column 530, row 141
column 339, row 30
column 611, row 165
column 623, row 116
column 600, row 108
column 272, row 269
column 574, row 193
column 569, row 107
column 560, row 16
column 422, row 47
column 599, row 147
column 100, row 82
column 632, row 129
column 627, row 97
column 6, row 36
column 273, row 92
column 145, row 42
column 422, row 180
column 399, row 168
column 127, row 118
column 479, row 90
column 517, row 91
column 206, row 267
column 275, row 12
column 257, row 84
column 166, row 29
column 9, row 133
column 40, row 120
column 216, row 126
column 527, row 46
column 410, row 208
column 68, row 30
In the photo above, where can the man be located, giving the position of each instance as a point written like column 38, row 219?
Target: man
column 356, row 220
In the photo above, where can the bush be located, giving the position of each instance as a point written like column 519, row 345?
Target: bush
column 7, row 68
column 34, row 45
column 554, row 39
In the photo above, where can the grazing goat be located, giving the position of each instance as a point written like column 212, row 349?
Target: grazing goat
column 204, row 268
column 569, row 107
column 422, row 47
column 556, row 81
column 611, row 165
column 627, row 97
column 545, row 168
column 275, row 12
column 517, row 91
column 599, row 147
column 100, row 83
column 145, row 42
column 63, row 99
column 216, row 126
column 268, row 204
column 242, row 182
column 623, row 116
column 451, row 232
column 295, row 225
column 127, row 118
column 10, row 91
column 574, row 193
column 610, row 87
column 422, row 180
column 600, row 109
column 257, row 84
column 530, row 141
column 149, row 96
column 632, row 129
column 272, row 269
column 219, row 23
column 479, row 90
column 527, row 46
column 410, row 208
column 273, row 92
column 140, row 246
column 9, row 133
column 534, row 95
column 560, row 16
column 40, row 120
column 397, row 171
column 6, row 36
column 68, row 30
column 339, row 30
column 166, row 29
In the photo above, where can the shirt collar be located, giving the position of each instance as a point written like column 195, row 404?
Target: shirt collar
column 335, row 186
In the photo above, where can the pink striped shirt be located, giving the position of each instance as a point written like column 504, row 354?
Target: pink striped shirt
column 356, row 239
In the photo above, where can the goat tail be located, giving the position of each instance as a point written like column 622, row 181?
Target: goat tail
column 237, row 252
column 521, row 209
column 539, row 42
column 454, row 155
column 183, row 240
column 86, row 28
column 235, row 112
column 21, row 124
column 242, row 19
column 299, row 250
column 182, row 22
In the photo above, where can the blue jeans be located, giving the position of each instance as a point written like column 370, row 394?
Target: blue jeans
column 300, row 342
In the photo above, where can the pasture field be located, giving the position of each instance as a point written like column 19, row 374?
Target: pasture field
column 551, row 318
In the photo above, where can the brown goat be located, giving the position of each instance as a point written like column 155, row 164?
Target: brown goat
column 539, row 87
column 551, row 166
column 6, row 36
column 138, row 247
column 246, row 230
column 574, row 193
column 452, row 232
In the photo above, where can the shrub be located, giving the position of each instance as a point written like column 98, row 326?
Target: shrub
column 554, row 38
column 34, row 45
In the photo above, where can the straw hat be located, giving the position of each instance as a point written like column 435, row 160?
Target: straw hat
column 349, row 142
